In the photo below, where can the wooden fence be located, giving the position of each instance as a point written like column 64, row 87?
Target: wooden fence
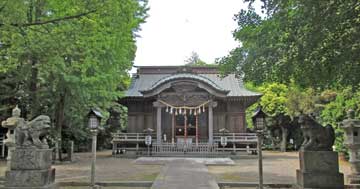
column 241, row 138
column 136, row 142
column 130, row 137
column 200, row 149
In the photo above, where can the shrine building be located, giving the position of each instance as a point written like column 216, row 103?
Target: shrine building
column 186, row 104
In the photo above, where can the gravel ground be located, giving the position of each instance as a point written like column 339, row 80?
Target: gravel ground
column 86, row 187
column 107, row 169
column 278, row 167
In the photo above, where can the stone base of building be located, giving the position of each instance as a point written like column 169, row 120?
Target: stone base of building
column 319, row 169
column 30, row 168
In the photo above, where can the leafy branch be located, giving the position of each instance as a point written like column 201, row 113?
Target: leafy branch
column 52, row 21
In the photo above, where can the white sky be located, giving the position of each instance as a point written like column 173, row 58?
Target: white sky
column 175, row 28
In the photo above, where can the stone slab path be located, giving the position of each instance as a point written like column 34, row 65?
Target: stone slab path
column 164, row 160
column 183, row 174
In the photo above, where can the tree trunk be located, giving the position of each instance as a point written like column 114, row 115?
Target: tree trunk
column 33, row 89
column 33, row 59
column 272, row 137
column 284, row 135
column 59, row 120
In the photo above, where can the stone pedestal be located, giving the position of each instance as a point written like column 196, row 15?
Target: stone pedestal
column 30, row 168
column 319, row 169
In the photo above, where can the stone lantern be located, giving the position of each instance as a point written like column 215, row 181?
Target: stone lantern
column 11, row 123
column 351, row 127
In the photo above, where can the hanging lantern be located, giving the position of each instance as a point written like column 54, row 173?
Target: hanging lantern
column 167, row 109
column 176, row 112
column 190, row 111
column 195, row 112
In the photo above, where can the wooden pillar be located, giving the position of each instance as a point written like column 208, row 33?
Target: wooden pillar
column 197, row 129
column 173, row 129
column 234, row 144
column 185, row 129
column 211, row 126
column 212, row 104
column 158, row 125
column 242, row 128
column 114, row 148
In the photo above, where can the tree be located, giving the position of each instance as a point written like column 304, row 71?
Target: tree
column 283, row 104
column 335, row 111
column 273, row 102
column 313, row 43
column 194, row 60
column 72, row 55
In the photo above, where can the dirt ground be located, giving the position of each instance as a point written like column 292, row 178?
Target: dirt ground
column 278, row 168
column 107, row 169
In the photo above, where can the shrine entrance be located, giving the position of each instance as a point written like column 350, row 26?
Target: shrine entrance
column 186, row 129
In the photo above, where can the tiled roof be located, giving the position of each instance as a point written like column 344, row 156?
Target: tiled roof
column 179, row 76
column 144, row 82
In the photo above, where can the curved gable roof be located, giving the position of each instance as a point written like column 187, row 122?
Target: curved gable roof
column 182, row 77
column 151, row 77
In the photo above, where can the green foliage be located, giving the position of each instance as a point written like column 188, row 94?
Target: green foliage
column 194, row 60
column 301, row 101
column 274, row 98
column 310, row 46
column 328, row 106
column 233, row 63
column 314, row 43
column 68, row 56
column 335, row 111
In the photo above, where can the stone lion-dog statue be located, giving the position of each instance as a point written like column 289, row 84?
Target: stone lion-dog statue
column 316, row 137
column 33, row 133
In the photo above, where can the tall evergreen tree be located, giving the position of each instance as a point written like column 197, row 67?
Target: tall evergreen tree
column 68, row 56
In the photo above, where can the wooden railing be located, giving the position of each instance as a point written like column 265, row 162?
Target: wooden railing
column 130, row 137
column 136, row 141
column 238, row 142
column 183, row 149
column 241, row 138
